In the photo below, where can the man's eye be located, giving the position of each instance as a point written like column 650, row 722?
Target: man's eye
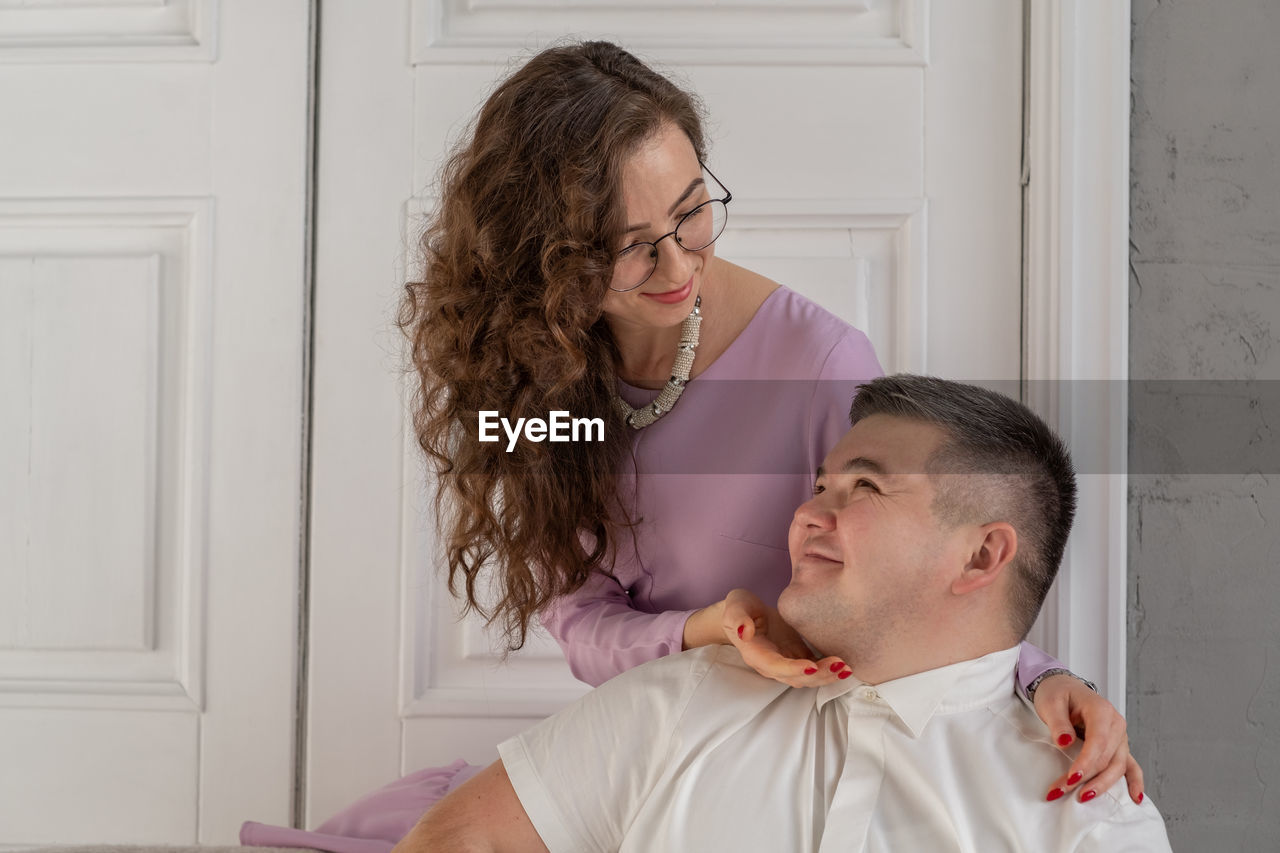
column 865, row 482
column 817, row 489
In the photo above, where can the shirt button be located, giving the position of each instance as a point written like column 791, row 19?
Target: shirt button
column 870, row 694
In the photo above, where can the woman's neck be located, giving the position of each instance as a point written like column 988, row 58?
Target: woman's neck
column 645, row 355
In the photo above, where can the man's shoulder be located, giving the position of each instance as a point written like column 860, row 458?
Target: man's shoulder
column 1026, row 739
column 721, row 664
column 729, row 691
column 1108, row 820
column 1020, row 715
column 1126, row 826
column 709, row 675
column 687, row 669
column 689, row 693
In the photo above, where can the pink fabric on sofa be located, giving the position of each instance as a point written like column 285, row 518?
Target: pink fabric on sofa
column 372, row 824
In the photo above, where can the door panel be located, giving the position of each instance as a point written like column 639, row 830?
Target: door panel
column 152, row 295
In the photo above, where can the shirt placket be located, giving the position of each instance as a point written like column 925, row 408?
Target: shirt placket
column 862, row 776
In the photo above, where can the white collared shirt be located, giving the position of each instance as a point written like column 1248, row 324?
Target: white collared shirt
column 697, row 752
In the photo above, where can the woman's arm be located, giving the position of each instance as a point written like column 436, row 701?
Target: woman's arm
column 705, row 627
column 1068, row 704
column 1035, row 664
column 602, row 634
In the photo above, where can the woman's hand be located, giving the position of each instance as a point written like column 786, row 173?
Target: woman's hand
column 772, row 647
column 1067, row 706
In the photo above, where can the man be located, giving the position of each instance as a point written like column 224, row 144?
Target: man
column 936, row 527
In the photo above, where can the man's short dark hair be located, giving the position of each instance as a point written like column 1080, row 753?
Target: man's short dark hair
column 1014, row 468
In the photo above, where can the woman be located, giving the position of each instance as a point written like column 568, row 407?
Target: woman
column 571, row 267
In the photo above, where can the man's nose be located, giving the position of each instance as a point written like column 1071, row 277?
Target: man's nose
column 814, row 513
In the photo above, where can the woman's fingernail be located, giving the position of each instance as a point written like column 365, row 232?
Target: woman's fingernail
column 1087, row 796
column 837, row 666
column 845, row 674
column 810, row 670
column 1141, row 797
column 1075, row 777
column 1055, row 794
column 741, row 628
column 1065, row 740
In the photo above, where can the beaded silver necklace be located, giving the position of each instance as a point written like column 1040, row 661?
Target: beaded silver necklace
column 666, row 401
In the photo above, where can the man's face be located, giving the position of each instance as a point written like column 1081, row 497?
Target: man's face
column 868, row 557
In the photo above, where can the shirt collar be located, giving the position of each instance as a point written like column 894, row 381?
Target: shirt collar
column 947, row 689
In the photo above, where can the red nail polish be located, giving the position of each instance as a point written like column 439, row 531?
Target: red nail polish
column 845, row 674
column 1087, row 796
column 810, row 670
column 1065, row 740
column 741, row 628
column 1055, row 794
column 1141, row 797
column 837, row 666
column 1075, row 777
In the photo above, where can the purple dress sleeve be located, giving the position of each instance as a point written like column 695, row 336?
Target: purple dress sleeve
column 1032, row 663
column 603, row 634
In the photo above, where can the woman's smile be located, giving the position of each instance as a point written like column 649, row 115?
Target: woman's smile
column 671, row 297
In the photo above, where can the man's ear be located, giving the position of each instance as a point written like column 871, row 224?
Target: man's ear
column 995, row 549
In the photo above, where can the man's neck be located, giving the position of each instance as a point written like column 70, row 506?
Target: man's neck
column 899, row 660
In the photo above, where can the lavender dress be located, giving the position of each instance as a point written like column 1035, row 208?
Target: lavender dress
column 715, row 481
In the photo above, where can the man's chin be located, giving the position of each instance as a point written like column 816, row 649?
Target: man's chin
column 812, row 611
column 792, row 606
column 804, row 583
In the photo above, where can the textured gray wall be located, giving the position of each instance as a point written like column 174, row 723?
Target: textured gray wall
column 1204, row 584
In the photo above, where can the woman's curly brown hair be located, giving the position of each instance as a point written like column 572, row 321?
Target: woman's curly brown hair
column 508, row 318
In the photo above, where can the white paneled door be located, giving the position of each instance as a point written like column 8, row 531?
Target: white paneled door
column 873, row 148
column 153, row 169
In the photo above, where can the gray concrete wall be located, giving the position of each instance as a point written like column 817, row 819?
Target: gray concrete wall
column 1204, row 556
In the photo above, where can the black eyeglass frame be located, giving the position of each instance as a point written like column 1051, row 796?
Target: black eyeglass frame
column 728, row 197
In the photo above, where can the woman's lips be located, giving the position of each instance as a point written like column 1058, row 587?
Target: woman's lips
column 671, row 297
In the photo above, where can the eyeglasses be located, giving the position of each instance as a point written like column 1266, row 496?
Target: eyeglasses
column 695, row 231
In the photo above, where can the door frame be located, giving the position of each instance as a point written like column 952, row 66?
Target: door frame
column 1076, row 309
